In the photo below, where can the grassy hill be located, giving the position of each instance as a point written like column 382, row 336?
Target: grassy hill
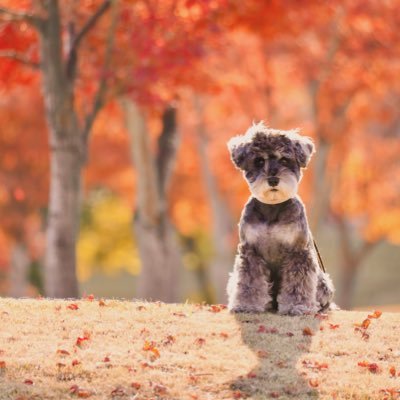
column 53, row 349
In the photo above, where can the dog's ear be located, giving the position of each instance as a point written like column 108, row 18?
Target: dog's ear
column 304, row 149
column 238, row 149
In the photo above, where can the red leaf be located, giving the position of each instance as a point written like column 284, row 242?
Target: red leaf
column 89, row 297
column 333, row 326
column 102, row 303
column 214, row 308
column 313, row 383
column 365, row 324
column 84, row 393
column 224, row 335
column 261, row 329
column 363, row 364
column 392, row 371
column 251, row 375
column 307, row 331
column 2, row 364
column 200, row 342
column 237, row 394
column 376, row 314
column 75, row 362
column 136, row 385
column 118, row 392
column 63, row 352
column 374, row 368
column 160, row 389
column 106, row 359
column 73, row 306
column 275, row 395
column 28, row 382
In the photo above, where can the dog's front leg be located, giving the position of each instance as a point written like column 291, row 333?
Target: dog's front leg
column 249, row 287
column 298, row 289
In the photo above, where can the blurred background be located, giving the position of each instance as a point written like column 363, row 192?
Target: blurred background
column 115, row 178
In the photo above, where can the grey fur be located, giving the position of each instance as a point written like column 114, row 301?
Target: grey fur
column 276, row 266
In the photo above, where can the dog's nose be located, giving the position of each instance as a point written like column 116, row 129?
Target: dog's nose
column 273, row 181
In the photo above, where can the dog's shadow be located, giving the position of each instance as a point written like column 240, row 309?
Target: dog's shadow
column 279, row 343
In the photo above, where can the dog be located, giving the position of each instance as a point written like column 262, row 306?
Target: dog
column 276, row 268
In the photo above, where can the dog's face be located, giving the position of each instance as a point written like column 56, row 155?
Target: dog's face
column 272, row 161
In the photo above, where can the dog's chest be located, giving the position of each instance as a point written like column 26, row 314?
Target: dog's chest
column 272, row 240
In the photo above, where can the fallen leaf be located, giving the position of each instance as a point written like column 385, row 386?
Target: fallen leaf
column 102, row 303
column 119, row 391
column 82, row 393
column 321, row 316
column 376, row 314
column 333, row 326
column 224, row 335
column 136, row 385
column 365, row 324
column 75, row 362
column 151, row 346
column 28, row 382
column 89, row 297
column 392, row 371
column 313, row 383
column 63, row 352
column 73, row 306
column 251, row 375
column 60, row 365
column 289, row 334
column 214, row 308
column 261, row 329
column 363, row 364
column 275, row 395
column 200, row 342
column 307, row 331
column 374, row 368
column 160, row 389
column 2, row 364
column 237, row 394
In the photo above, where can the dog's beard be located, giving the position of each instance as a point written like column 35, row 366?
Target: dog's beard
column 285, row 190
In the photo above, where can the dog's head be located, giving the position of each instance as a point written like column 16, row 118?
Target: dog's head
column 271, row 161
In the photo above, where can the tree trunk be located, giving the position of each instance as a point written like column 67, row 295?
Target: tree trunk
column 222, row 226
column 62, row 225
column 19, row 271
column 66, row 146
column 156, row 238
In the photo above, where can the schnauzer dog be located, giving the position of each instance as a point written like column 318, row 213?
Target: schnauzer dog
column 276, row 267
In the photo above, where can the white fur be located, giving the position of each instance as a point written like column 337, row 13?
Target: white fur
column 286, row 189
column 256, row 233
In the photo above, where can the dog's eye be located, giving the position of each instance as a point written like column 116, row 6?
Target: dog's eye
column 259, row 162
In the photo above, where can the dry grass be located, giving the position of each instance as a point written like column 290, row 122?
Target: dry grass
column 190, row 352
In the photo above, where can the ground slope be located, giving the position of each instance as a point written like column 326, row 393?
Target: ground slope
column 52, row 349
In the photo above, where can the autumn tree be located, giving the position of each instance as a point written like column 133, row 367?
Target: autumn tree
column 54, row 42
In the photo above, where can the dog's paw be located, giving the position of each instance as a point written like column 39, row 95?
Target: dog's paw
column 296, row 309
